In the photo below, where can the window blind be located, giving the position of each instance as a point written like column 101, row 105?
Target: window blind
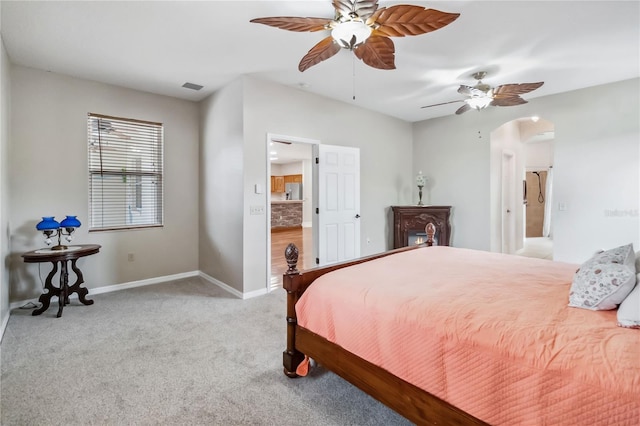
column 125, row 158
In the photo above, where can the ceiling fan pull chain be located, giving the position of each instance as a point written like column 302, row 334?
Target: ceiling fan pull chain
column 353, row 62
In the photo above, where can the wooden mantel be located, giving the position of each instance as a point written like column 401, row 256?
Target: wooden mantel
column 408, row 220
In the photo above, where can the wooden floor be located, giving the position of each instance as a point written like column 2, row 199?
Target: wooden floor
column 302, row 238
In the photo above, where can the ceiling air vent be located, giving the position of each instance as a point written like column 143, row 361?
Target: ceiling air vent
column 192, row 86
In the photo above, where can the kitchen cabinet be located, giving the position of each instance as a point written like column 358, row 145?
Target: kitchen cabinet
column 293, row 179
column 277, row 183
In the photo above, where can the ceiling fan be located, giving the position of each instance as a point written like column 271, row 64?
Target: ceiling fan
column 482, row 95
column 362, row 27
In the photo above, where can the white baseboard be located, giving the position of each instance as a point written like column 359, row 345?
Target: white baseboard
column 140, row 283
column 117, row 287
column 5, row 320
column 232, row 290
column 149, row 281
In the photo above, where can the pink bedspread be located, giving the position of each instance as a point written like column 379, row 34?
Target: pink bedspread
column 491, row 334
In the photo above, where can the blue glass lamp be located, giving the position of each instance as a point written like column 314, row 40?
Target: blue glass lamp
column 49, row 226
column 48, row 223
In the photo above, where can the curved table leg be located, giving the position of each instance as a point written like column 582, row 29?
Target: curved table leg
column 63, row 296
column 45, row 298
column 75, row 288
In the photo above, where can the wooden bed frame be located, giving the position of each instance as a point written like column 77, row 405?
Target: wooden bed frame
column 408, row 400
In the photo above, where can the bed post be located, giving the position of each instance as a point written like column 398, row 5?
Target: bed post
column 430, row 229
column 291, row 358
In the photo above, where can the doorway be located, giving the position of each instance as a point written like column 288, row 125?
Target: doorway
column 517, row 147
column 289, row 202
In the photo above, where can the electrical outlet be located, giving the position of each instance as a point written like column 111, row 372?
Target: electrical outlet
column 256, row 210
column 130, row 257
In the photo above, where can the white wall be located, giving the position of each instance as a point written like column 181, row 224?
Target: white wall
column 48, row 177
column 385, row 157
column 453, row 153
column 5, row 120
column 505, row 139
column 294, row 168
column 538, row 155
column 221, row 180
column 596, row 167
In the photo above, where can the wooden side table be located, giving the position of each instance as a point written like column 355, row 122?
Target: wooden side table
column 73, row 253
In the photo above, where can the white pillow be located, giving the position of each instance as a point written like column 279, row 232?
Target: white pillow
column 629, row 310
column 603, row 282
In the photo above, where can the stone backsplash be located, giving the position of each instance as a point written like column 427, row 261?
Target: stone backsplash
column 286, row 214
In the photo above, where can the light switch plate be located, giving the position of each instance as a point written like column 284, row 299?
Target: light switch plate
column 256, row 210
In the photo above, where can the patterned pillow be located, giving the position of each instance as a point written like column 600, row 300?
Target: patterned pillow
column 629, row 310
column 602, row 282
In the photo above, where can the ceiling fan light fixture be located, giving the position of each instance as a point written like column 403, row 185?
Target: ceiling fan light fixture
column 478, row 102
column 349, row 34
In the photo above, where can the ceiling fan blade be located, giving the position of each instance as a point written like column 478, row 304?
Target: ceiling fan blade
column 471, row 91
column 363, row 8
column 510, row 101
column 463, row 108
column 404, row 20
column 279, row 141
column 295, row 23
column 509, row 90
column 318, row 53
column 442, row 103
column 377, row 52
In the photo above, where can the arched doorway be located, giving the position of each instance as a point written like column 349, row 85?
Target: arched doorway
column 521, row 216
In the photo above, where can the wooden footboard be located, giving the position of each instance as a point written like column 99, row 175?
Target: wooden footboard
column 295, row 283
column 410, row 401
column 415, row 404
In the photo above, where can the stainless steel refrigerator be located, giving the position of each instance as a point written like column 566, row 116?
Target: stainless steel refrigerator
column 293, row 191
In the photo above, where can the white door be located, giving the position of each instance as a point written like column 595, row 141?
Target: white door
column 508, row 202
column 336, row 219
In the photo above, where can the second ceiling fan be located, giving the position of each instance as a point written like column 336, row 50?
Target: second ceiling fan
column 362, row 27
column 482, row 95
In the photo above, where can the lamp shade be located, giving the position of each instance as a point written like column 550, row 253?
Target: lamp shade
column 346, row 32
column 70, row 222
column 479, row 102
column 47, row 223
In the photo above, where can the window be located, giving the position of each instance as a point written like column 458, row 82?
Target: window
column 125, row 173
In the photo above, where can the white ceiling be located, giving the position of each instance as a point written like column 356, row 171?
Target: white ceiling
column 158, row 46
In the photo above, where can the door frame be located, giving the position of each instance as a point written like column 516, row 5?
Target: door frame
column 270, row 138
column 508, row 201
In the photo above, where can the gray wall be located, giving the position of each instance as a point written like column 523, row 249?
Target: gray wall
column 215, row 152
column 596, row 167
column 48, row 177
column 385, row 161
column 221, row 177
column 5, row 119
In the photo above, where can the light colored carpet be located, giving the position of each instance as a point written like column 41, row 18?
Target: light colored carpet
column 178, row 353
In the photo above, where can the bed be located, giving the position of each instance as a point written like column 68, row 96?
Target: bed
column 524, row 358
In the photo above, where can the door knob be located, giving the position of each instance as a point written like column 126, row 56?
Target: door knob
column 357, row 216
